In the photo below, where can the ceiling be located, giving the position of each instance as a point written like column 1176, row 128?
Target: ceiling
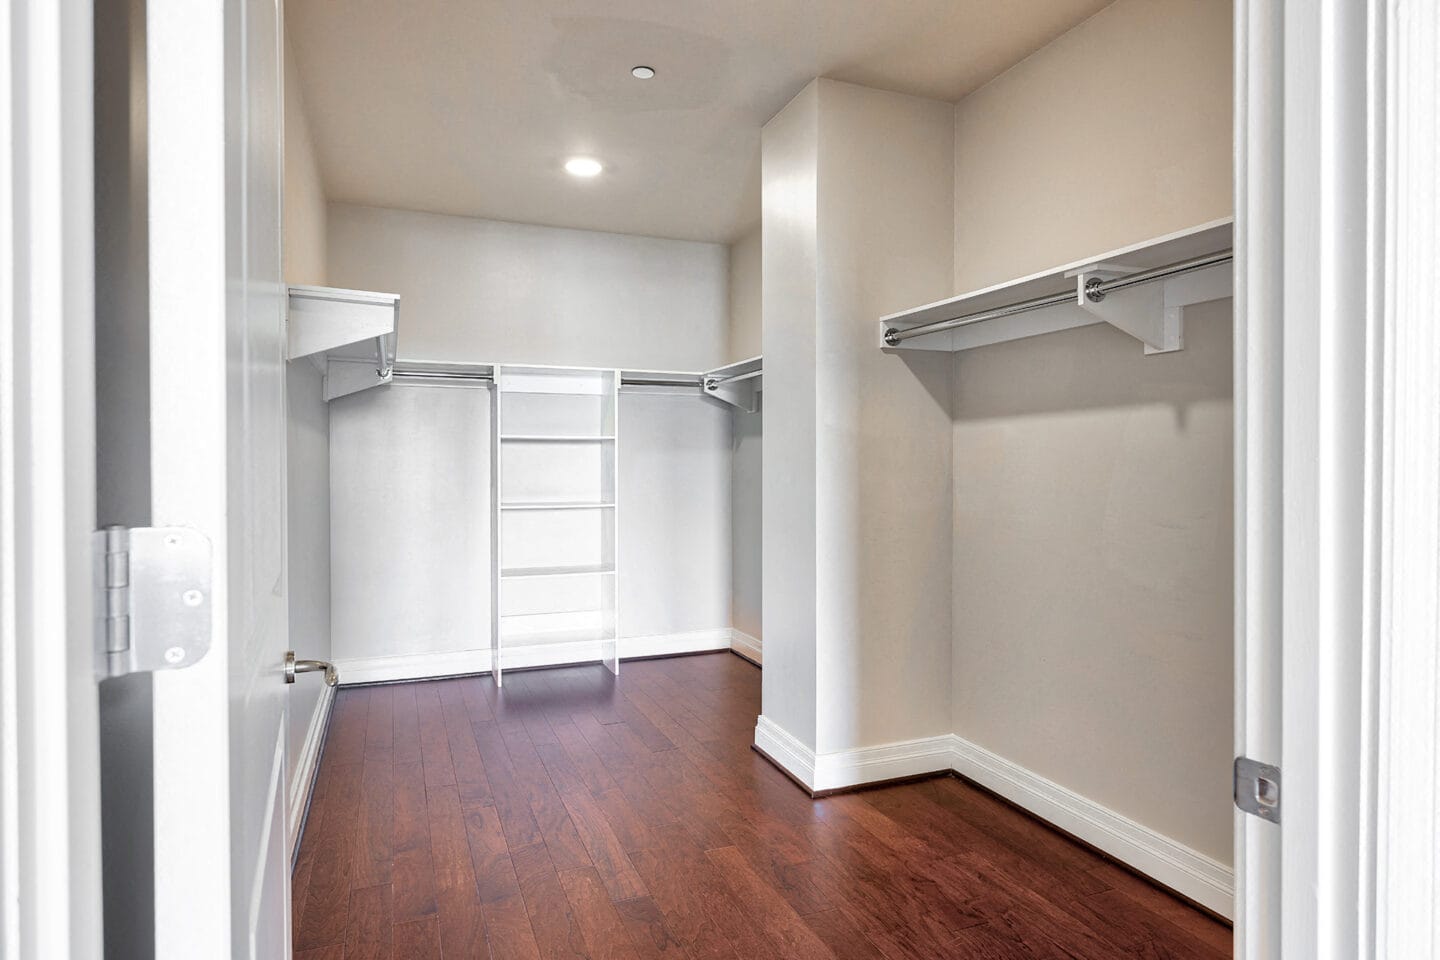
column 471, row 107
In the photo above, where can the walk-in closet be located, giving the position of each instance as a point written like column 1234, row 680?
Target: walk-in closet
column 750, row 465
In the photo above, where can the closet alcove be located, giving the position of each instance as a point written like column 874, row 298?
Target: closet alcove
column 485, row 517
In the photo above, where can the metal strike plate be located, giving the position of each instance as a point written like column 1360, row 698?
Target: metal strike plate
column 1257, row 789
column 153, row 599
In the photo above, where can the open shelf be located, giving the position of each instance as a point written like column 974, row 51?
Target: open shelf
column 554, row 525
column 554, row 438
column 1152, row 312
column 570, row 570
column 349, row 335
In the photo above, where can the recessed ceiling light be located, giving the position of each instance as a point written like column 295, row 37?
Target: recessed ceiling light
column 583, row 166
column 642, row 72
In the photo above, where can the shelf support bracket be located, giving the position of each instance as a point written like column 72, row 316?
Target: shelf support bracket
column 1153, row 313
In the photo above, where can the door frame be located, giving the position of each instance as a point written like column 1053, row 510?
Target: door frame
column 50, row 881
column 1337, row 393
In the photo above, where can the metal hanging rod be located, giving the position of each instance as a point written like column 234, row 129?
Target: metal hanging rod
column 399, row 373
column 642, row 382
column 403, row 373
column 1095, row 291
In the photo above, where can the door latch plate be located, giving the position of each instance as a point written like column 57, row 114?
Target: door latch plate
column 1257, row 788
column 153, row 599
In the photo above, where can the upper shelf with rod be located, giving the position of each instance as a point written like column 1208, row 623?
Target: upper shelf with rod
column 348, row 334
column 1142, row 290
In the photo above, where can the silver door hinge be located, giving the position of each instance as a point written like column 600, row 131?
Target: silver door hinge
column 1257, row 789
column 152, row 599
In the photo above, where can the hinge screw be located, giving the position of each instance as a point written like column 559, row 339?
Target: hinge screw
column 192, row 598
column 174, row 655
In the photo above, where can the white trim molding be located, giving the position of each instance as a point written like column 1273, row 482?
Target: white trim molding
column 421, row 666
column 1165, row 860
column 1188, row 872
column 785, row 750
column 747, row 646
column 302, row 783
column 1405, row 775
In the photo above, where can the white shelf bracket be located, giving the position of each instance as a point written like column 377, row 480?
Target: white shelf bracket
column 737, row 384
column 1153, row 313
column 346, row 376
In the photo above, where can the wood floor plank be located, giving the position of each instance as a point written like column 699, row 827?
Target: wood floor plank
column 649, row 933
column 605, row 935
column 368, row 936
column 576, row 815
column 774, row 918
column 470, row 776
column 404, row 724
column 557, row 930
column 434, row 740
column 374, row 838
column 417, row 939
column 412, row 874
column 606, row 852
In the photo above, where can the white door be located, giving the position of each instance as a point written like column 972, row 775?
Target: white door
column 214, row 427
column 50, row 882
column 1336, row 406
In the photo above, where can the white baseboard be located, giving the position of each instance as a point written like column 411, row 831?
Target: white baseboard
column 1188, row 872
column 889, row 761
column 1169, row 862
column 423, row 665
column 746, row 645
column 851, row 768
column 306, row 766
column 779, row 745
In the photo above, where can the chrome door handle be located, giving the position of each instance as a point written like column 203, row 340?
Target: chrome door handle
column 293, row 666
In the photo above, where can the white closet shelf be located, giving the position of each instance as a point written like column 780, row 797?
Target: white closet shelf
column 1151, row 312
column 348, row 334
column 562, row 505
column 525, row 573
column 557, row 438
column 570, row 635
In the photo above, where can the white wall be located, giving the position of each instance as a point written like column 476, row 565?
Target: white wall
column 856, row 188
column 674, row 500
column 1117, row 131
column 789, row 171
column 746, row 517
column 744, row 337
column 410, row 519
column 1092, row 503
column 488, row 291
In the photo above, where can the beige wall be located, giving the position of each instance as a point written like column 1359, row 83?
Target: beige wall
column 488, row 291
column 1093, row 568
column 1116, row 132
column 304, row 201
column 857, row 550
column 744, row 338
column 1093, row 547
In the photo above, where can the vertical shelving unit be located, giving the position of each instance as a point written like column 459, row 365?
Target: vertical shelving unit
column 554, row 535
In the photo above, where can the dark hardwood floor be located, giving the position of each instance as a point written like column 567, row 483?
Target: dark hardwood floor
column 575, row 816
